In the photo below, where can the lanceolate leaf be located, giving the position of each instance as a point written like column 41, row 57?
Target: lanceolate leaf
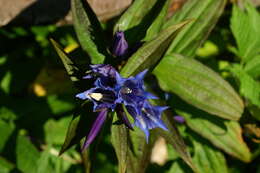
column 173, row 137
column 199, row 86
column 245, row 24
column 89, row 31
column 140, row 153
column 157, row 24
column 79, row 127
column 132, row 150
column 67, row 62
column 207, row 158
column 151, row 52
column 224, row 134
column 120, row 142
column 205, row 13
column 138, row 18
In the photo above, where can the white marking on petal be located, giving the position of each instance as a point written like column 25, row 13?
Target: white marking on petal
column 149, row 115
column 142, row 121
column 96, row 96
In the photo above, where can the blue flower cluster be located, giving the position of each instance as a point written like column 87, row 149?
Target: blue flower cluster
column 111, row 91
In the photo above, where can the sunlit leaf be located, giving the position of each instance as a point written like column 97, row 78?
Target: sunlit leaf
column 89, row 31
column 66, row 60
column 55, row 130
column 205, row 13
column 245, row 24
column 207, row 158
column 249, row 88
column 138, row 18
column 198, row 85
column 224, row 134
column 120, row 142
column 44, row 162
column 157, row 24
column 151, row 52
column 27, row 155
column 252, row 67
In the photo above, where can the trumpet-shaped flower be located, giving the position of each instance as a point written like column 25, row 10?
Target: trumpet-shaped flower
column 110, row 91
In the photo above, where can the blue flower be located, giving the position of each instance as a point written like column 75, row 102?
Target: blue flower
column 120, row 45
column 131, row 91
column 147, row 116
column 111, row 91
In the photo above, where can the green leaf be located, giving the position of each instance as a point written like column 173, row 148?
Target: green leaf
column 27, row 155
column 157, row 24
column 133, row 15
column 43, row 164
column 151, row 52
column 249, row 88
column 89, row 31
column 255, row 111
column 173, row 136
column 179, row 167
column 198, row 85
column 138, row 18
column 67, row 62
column 5, row 166
column 60, row 104
column 207, row 158
column 245, row 24
column 132, row 150
column 79, row 127
column 223, row 134
column 252, row 67
column 119, row 139
column 205, row 13
column 55, row 130
column 139, row 154
column 6, row 130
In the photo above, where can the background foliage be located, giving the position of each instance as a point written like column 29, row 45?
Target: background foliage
column 210, row 52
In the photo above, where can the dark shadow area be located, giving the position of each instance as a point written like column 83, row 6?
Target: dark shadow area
column 42, row 12
column 22, row 59
column 137, row 33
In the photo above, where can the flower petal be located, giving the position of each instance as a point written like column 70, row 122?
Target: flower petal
column 82, row 96
column 95, row 128
column 120, row 45
column 141, row 75
column 179, row 119
column 150, row 95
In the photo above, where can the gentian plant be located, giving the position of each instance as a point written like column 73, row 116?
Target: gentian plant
column 126, row 78
column 111, row 91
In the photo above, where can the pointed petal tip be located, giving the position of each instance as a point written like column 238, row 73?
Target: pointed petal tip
column 87, row 76
column 150, row 96
column 141, row 75
column 95, row 128
column 162, row 108
column 82, row 96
